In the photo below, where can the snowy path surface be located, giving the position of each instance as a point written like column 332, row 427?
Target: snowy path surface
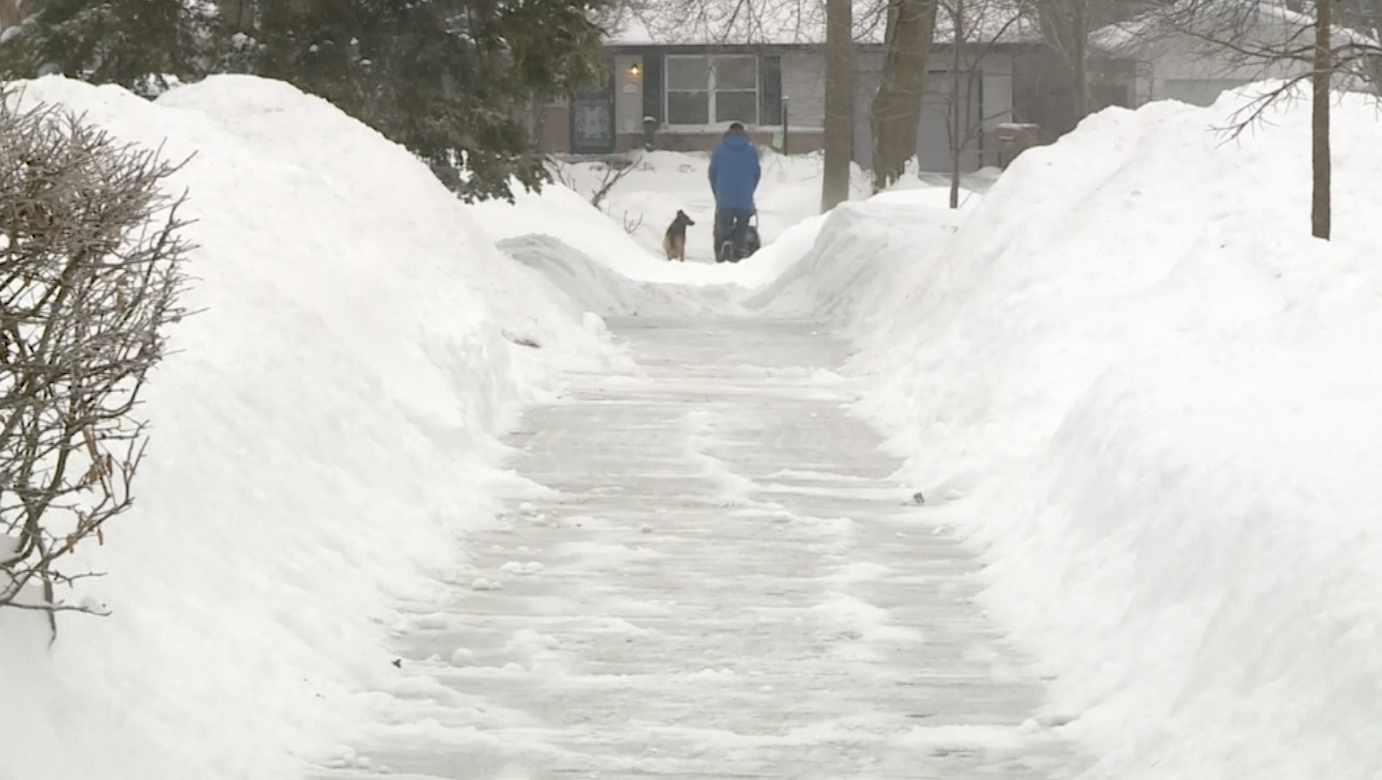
column 723, row 584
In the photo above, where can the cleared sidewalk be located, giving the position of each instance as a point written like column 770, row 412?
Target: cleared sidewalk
column 722, row 583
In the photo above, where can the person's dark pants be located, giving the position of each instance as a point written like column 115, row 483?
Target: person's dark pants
column 733, row 226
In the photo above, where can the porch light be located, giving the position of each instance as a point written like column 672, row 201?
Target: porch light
column 634, row 69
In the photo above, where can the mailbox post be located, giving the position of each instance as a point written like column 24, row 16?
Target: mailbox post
column 1013, row 139
column 650, row 124
column 784, row 124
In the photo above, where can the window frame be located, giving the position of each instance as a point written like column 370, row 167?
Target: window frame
column 711, row 88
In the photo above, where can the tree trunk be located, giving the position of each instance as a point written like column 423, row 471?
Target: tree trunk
column 839, row 102
column 957, row 138
column 1319, row 121
column 896, row 109
column 1079, row 54
column 1065, row 29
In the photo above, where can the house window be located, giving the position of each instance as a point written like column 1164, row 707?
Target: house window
column 712, row 90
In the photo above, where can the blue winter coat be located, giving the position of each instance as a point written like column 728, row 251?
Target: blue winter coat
column 734, row 172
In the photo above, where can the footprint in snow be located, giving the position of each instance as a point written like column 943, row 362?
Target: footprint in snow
column 485, row 584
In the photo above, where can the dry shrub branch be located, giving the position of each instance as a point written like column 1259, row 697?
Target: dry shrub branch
column 91, row 270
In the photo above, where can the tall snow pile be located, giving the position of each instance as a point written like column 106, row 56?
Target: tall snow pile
column 1136, row 380
column 317, row 440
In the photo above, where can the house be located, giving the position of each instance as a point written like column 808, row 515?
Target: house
column 1195, row 50
column 684, row 72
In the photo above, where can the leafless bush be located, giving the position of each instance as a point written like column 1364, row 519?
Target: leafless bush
column 980, row 25
column 630, row 222
column 91, row 275
column 612, row 176
column 562, row 173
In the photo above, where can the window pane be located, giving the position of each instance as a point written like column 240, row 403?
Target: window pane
column 686, row 74
column 736, row 107
column 688, row 108
column 736, row 73
column 770, row 100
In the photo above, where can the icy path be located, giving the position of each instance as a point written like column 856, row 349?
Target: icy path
column 724, row 584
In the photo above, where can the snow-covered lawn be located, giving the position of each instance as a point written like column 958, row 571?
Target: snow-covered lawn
column 1125, row 374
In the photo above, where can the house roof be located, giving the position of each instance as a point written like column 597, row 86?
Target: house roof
column 1226, row 21
column 799, row 23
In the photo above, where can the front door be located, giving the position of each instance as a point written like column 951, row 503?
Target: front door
column 592, row 119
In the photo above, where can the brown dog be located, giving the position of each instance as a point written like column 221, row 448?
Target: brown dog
column 674, row 242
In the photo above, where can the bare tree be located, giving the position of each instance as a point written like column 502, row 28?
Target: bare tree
column 1364, row 16
column 839, row 102
column 1065, row 27
column 561, row 173
column 791, row 22
column 896, row 109
column 1321, row 86
column 1293, row 46
column 977, row 27
column 1068, row 67
column 613, row 175
column 90, row 278
column 612, row 171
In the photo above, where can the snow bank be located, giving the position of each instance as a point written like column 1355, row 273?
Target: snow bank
column 587, row 285
column 858, row 255
column 317, row 441
column 560, row 213
column 1134, row 378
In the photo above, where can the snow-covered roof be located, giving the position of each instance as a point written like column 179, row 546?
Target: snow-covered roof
column 799, row 23
column 1221, row 21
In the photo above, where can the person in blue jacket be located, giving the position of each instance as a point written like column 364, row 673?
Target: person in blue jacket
column 734, row 174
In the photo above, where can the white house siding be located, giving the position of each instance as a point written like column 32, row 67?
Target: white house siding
column 998, row 91
column 803, row 83
column 1180, row 70
column 991, row 104
column 868, row 73
column 1180, row 67
column 628, row 94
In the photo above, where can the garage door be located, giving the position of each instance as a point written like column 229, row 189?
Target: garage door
column 933, row 132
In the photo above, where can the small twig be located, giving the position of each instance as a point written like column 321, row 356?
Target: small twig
column 613, row 175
